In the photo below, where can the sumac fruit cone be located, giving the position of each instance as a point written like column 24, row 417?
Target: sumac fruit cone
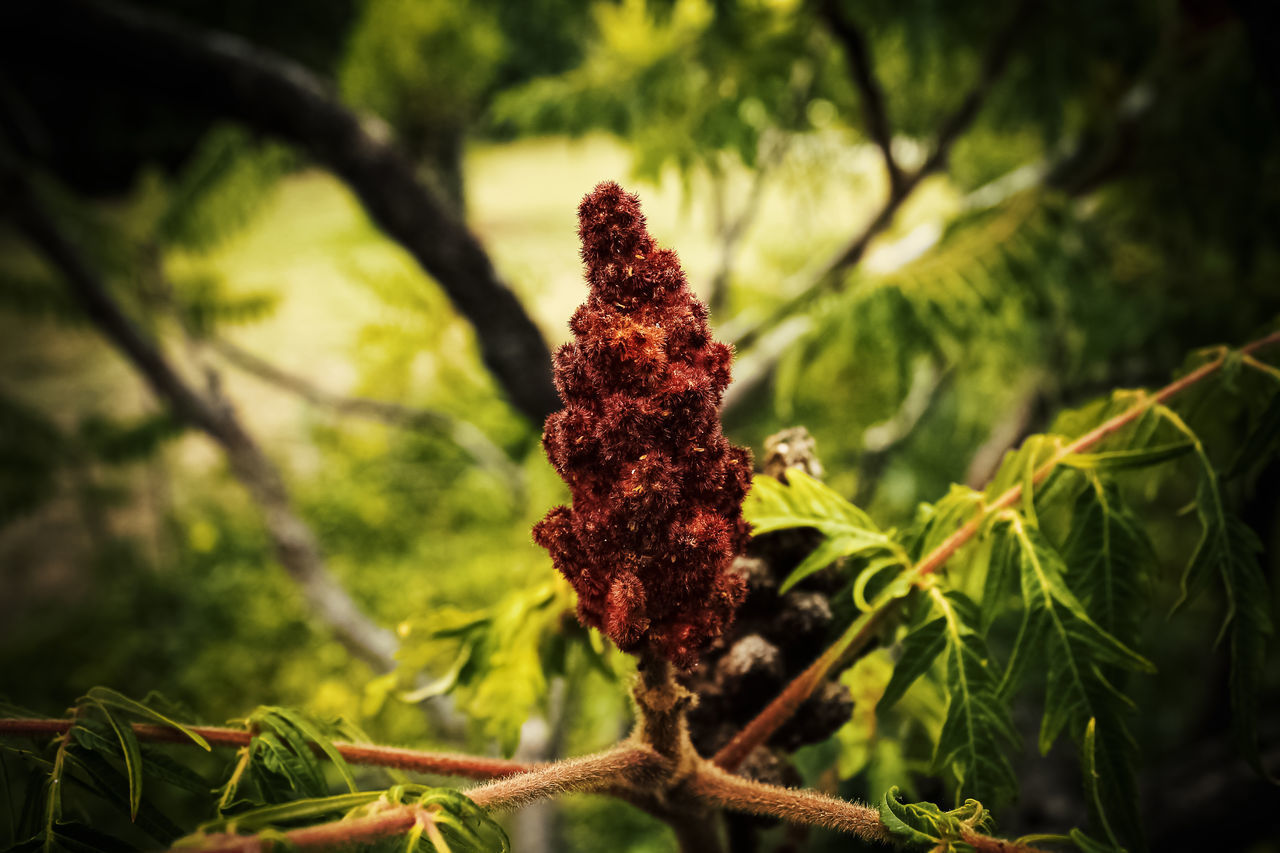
column 657, row 491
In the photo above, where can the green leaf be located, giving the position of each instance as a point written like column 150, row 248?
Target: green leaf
column 131, row 752
column 1229, row 548
column 938, row 521
column 922, row 645
column 1058, row 633
column 1093, row 781
column 1107, row 553
column 806, row 502
column 444, row 683
column 304, row 809
column 803, row 502
column 111, row 698
column 101, row 777
column 286, row 721
column 976, row 730
column 924, row 826
column 1262, row 441
column 1132, row 458
column 289, row 757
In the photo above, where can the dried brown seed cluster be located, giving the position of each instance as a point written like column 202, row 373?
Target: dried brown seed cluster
column 657, row 490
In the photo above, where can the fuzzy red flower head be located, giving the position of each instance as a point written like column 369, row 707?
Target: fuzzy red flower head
column 657, row 490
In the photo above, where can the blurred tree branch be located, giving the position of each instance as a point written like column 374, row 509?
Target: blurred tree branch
column 832, row 277
column 874, row 115
column 222, row 75
column 293, row 541
column 461, row 432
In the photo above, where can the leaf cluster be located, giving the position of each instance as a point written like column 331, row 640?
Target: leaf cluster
column 1048, row 597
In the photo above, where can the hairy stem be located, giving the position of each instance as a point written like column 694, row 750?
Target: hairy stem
column 628, row 763
column 811, row 808
column 438, row 763
column 624, row 764
column 796, row 806
column 777, row 712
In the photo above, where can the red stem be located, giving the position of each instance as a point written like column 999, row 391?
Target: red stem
column 802, row 686
column 438, row 763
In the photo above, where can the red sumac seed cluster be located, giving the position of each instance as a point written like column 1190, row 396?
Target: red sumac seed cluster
column 657, row 490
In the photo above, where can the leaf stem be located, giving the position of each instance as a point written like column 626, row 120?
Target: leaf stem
column 439, row 763
column 855, row 637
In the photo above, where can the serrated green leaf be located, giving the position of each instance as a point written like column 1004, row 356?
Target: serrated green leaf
column 806, row 502
column 290, row 757
column 942, row 519
column 1230, row 548
column 1107, row 554
column 803, row 502
column 1130, row 459
column 921, row 647
column 111, row 698
column 904, row 826
column 131, row 752
column 101, row 777
column 286, row 720
column 924, row 826
column 1058, row 631
column 1262, row 441
column 977, row 729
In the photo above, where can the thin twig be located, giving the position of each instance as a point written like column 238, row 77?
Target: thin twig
column 420, row 761
column 781, row 709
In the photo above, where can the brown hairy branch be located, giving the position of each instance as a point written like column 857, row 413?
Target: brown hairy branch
column 832, row 277
column 294, row 543
column 874, row 113
column 777, row 712
column 628, row 763
column 420, row 761
column 796, row 806
column 463, row 433
column 222, row 75
column 812, row 808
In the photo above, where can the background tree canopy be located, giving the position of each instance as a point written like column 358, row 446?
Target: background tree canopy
column 279, row 286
